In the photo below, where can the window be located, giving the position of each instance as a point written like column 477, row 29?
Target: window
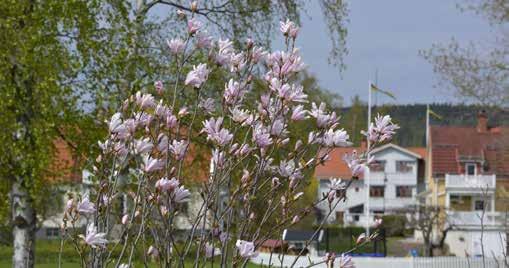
column 479, row 205
column 404, row 166
column 52, row 232
column 470, row 168
column 403, row 191
column 378, row 166
column 376, row 191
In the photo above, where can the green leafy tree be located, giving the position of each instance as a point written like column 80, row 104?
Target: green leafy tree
column 38, row 105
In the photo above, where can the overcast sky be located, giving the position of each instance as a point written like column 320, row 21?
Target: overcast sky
column 387, row 35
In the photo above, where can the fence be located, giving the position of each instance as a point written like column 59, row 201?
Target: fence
column 388, row 262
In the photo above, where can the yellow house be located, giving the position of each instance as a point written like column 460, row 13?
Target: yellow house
column 468, row 176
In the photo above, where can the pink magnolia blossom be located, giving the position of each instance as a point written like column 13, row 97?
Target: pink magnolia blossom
column 225, row 52
column 193, row 25
column 197, row 76
column 232, row 92
column 241, row 116
column 176, row 45
column 346, row 261
column 85, row 206
column 382, row 130
column 167, row 185
column 181, row 195
column 159, row 86
column 152, row 251
column 354, row 164
column 261, row 136
column 178, row 149
column 117, row 127
column 69, row 205
column 218, row 158
column 246, row 249
column 323, row 119
column 203, row 40
column 215, row 132
column 299, row 113
column 145, row 101
column 152, row 164
column 93, row 238
column 207, row 105
column 288, row 28
column 338, row 138
column 143, row 146
column 210, row 251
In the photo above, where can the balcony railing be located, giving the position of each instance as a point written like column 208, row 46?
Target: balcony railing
column 473, row 218
column 470, row 181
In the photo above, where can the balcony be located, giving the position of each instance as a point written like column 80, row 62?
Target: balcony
column 470, row 182
column 473, row 218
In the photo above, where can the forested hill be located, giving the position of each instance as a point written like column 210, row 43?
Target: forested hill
column 412, row 119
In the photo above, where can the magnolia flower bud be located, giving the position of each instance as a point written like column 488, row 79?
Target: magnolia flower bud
column 137, row 213
column 249, row 43
column 298, row 144
column 159, row 87
column 361, row 238
column 377, row 223
column 295, row 219
column 298, row 195
column 252, row 216
column 152, row 251
column 285, row 141
column 183, row 112
column 181, row 14
column 125, row 219
column 164, row 210
column 331, row 196
column 275, row 182
column 194, row 6
column 245, row 176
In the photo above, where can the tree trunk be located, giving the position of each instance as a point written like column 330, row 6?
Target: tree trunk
column 24, row 227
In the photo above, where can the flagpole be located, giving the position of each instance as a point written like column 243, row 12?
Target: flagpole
column 427, row 125
column 367, row 174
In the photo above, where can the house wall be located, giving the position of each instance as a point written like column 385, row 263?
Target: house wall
column 356, row 193
column 463, row 242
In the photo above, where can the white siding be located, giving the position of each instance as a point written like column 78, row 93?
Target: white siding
column 390, row 178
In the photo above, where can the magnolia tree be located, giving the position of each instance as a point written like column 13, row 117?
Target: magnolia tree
column 254, row 158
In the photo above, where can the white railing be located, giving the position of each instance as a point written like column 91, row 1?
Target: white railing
column 470, row 181
column 278, row 260
column 473, row 218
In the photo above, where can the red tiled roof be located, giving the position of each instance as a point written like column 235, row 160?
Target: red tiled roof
column 337, row 168
column 451, row 144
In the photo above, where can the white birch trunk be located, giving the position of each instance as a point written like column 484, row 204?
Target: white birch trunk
column 23, row 216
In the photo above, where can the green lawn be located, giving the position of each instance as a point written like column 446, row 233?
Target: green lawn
column 46, row 256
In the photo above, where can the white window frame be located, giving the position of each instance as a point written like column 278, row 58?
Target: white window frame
column 471, row 164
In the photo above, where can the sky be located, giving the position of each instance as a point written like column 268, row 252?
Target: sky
column 385, row 37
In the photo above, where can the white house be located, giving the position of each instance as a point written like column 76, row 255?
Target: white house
column 393, row 180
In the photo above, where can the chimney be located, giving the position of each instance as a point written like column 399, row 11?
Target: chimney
column 482, row 122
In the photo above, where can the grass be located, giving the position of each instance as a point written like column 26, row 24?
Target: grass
column 46, row 256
